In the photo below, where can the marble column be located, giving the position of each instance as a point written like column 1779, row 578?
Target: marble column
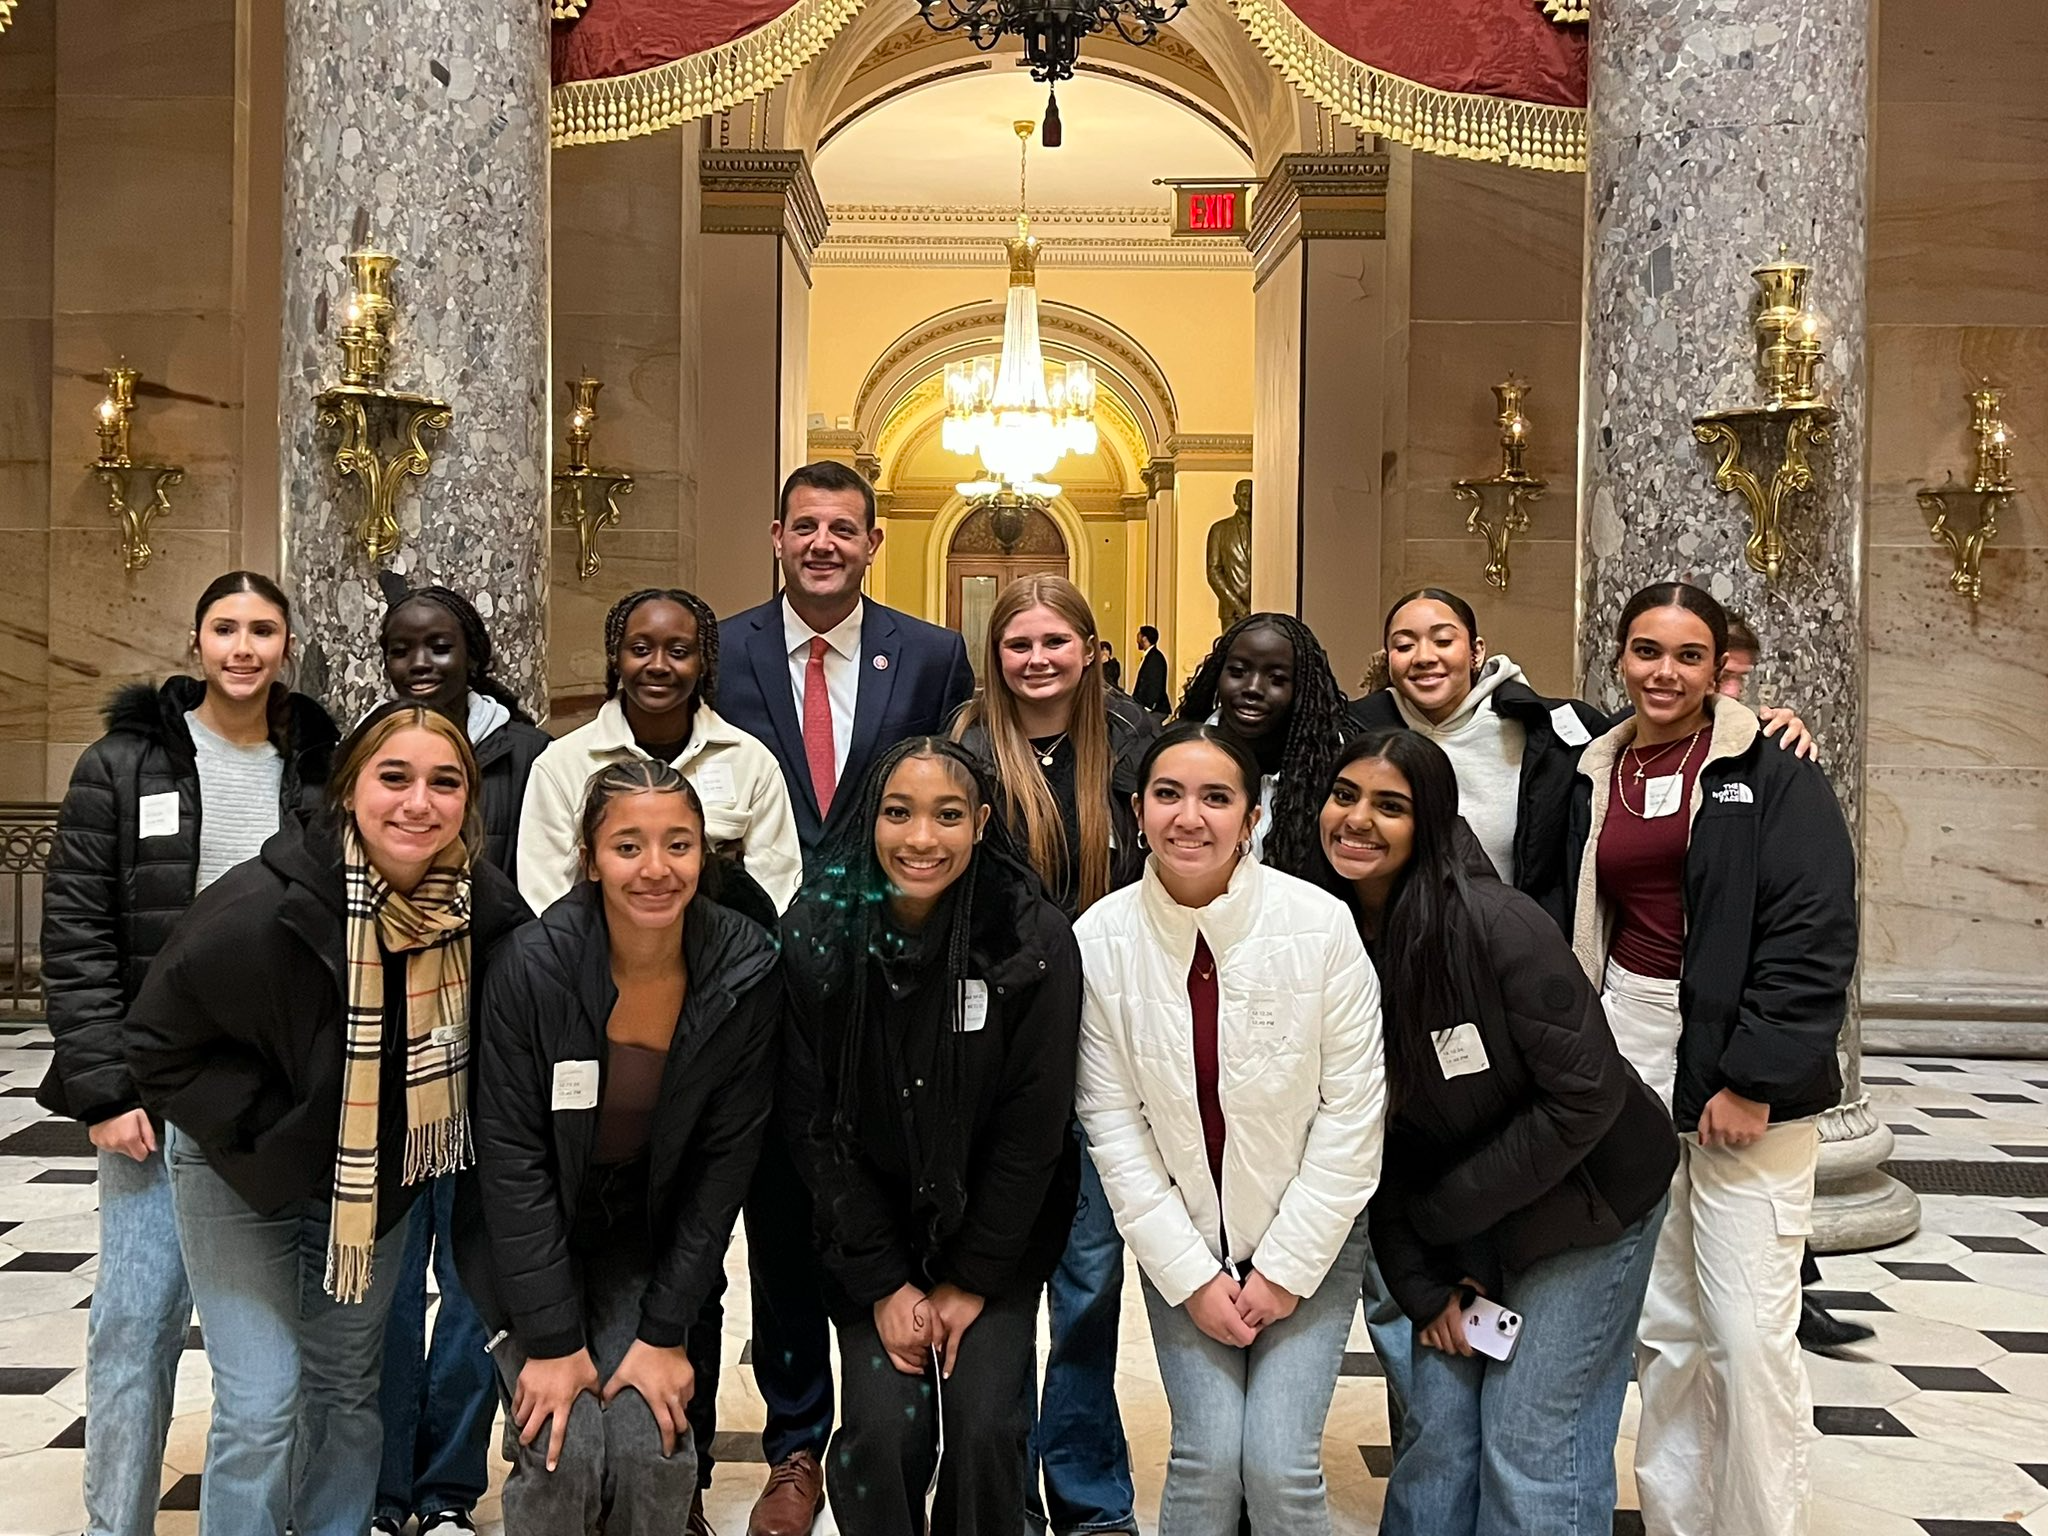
column 1722, row 131
column 421, row 130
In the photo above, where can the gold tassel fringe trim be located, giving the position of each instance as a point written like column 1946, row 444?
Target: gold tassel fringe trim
column 1454, row 123
column 1568, row 10
column 649, row 100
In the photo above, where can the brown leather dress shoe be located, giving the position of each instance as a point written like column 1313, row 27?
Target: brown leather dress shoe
column 698, row 1525
column 789, row 1505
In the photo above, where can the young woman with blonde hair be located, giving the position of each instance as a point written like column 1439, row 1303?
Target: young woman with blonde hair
column 1063, row 749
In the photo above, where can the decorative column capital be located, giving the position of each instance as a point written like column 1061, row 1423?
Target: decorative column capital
column 763, row 192
column 1158, row 476
column 1316, row 197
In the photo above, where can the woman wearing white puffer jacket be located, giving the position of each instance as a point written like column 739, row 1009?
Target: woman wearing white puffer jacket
column 1232, row 1086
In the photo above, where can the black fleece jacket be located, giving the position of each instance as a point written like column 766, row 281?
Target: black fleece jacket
column 112, row 897
column 546, row 1000
column 1556, row 1144
column 986, row 1113
column 1543, row 797
column 237, row 1037
column 505, row 758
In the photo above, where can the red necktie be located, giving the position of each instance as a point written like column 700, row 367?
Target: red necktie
column 818, row 752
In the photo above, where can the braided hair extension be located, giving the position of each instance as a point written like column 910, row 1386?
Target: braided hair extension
column 1316, row 729
column 707, row 637
column 476, row 639
column 839, row 922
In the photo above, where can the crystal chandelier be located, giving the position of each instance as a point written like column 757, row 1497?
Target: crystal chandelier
column 1051, row 29
column 1019, row 415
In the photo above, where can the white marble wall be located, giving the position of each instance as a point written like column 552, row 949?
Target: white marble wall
column 419, row 127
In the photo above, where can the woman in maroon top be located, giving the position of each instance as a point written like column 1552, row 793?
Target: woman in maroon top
column 1716, row 909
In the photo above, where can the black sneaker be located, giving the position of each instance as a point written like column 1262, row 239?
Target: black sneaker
column 387, row 1525
column 1820, row 1329
column 448, row 1523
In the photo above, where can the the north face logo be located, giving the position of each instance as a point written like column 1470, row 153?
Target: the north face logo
column 1734, row 794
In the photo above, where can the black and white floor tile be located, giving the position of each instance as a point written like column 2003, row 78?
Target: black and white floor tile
column 1936, row 1427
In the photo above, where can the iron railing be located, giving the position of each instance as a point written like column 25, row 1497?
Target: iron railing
column 28, row 831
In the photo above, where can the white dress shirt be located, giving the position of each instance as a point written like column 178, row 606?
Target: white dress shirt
column 842, row 672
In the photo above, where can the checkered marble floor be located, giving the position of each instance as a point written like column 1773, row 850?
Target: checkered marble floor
column 1936, row 1427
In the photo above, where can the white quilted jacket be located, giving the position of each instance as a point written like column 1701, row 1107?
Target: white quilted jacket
column 1301, row 1077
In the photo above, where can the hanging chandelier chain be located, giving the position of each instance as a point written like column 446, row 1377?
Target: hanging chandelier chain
column 1051, row 30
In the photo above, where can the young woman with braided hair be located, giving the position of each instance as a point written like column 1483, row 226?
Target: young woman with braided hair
column 1267, row 683
column 927, row 1090
column 661, row 682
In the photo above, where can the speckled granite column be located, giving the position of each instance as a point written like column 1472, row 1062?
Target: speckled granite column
column 421, row 129
column 1720, row 131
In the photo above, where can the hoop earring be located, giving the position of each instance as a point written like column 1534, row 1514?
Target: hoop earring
column 1141, row 840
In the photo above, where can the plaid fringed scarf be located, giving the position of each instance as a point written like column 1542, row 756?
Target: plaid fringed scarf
column 430, row 927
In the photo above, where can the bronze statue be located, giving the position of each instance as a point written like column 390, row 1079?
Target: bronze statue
column 1230, row 558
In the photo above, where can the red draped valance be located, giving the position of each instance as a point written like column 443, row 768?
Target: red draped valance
column 1484, row 79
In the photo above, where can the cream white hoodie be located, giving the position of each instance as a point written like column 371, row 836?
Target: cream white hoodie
column 1485, row 749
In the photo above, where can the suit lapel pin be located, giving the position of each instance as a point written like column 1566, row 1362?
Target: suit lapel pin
column 881, row 663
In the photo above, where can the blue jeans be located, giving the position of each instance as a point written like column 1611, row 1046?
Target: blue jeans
column 1248, row 1423
column 1393, row 1345
column 436, row 1404
column 1079, row 1437
column 295, row 1433
column 134, row 1334
column 1528, row 1445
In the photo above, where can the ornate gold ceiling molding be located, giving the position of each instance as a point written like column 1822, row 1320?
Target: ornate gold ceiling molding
column 1077, row 238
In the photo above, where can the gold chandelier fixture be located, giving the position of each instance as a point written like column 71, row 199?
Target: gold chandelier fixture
column 1018, row 414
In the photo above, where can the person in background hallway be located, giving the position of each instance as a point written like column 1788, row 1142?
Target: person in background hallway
column 1112, row 669
column 1062, row 751
column 1231, row 1087
column 1150, row 688
column 830, row 681
column 934, row 1002
column 624, row 1081
column 1716, row 910
column 1525, row 1161
column 306, row 1033
column 661, row 684
column 1267, row 682
column 1819, row 1329
column 189, row 780
column 437, row 1405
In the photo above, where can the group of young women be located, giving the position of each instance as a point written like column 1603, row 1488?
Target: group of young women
column 1455, row 993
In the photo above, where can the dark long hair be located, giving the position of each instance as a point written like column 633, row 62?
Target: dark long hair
column 1422, row 949
column 839, row 923
column 476, row 639
column 1316, row 729
column 707, row 638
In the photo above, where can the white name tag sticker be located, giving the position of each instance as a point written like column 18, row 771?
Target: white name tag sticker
column 714, row 784
column 449, row 1034
column 1263, row 1011
column 1571, row 730
column 575, row 1085
column 1663, row 795
column 1460, row 1052
column 159, row 815
column 973, row 1006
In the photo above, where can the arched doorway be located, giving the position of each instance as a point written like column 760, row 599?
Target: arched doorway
column 979, row 565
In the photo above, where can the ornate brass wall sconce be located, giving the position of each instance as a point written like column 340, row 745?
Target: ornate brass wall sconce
column 1500, row 501
column 586, row 499
column 367, row 415
column 133, row 508
column 1789, row 347
column 1991, row 489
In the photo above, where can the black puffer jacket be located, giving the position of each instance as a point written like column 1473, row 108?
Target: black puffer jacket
column 1556, row 1144
column 1131, row 731
column 237, row 1037
column 506, row 757
column 960, row 1165
column 1544, row 796
column 546, row 999
column 112, row 897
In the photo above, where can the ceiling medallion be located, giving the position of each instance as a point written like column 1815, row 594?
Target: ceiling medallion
column 1051, row 31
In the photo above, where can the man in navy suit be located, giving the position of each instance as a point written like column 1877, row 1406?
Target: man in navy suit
column 829, row 680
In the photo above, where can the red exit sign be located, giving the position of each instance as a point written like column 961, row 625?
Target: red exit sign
column 1209, row 210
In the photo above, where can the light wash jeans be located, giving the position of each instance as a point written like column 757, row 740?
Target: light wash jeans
column 1248, row 1423
column 295, row 1430
column 1527, row 1445
column 135, row 1332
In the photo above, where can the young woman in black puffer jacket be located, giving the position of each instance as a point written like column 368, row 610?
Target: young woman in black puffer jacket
column 190, row 778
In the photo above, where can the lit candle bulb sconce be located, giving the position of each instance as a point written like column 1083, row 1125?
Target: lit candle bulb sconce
column 586, row 498
column 383, row 433
column 1793, row 419
column 1987, row 493
column 137, row 492
column 1501, row 501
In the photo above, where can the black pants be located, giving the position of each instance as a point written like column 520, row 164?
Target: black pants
column 881, row 1459
column 792, row 1337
